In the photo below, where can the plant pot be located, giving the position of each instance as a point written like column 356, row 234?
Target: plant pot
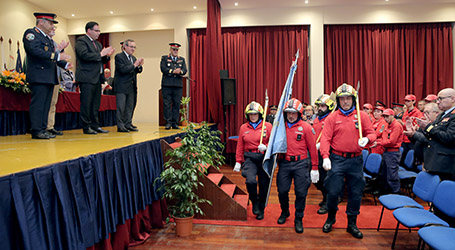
column 183, row 226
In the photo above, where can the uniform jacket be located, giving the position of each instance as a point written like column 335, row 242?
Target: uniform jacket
column 392, row 136
column 318, row 125
column 89, row 60
column 41, row 62
column 414, row 113
column 300, row 139
column 125, row 74
column 249, row 139
column 439, row 156
column 380, row 126
column 168, row 66
column 342, row 134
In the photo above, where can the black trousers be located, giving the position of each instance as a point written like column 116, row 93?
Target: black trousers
column 171, row 103
column 125, row 108
column 39, row 106
column 90, row 104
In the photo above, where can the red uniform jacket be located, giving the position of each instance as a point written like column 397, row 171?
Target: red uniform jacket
column 392, row 137
column 249, row 139
column 300, row 139
column 379, row 127
column 414, row 113
column 318, row 125
column 341, row 134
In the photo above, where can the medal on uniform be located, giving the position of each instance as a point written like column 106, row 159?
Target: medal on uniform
column 46, row 48
column 169, row 65
column 355, row 116
column 300, row 129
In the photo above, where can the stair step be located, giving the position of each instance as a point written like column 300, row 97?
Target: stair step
column 229, row 189
column 242, row 199
column 215, row 177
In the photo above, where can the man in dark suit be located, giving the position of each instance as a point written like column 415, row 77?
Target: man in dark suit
column 173, row 68
column 439, row 156
column 126, row 69
column 43, row 56
column 91, row 56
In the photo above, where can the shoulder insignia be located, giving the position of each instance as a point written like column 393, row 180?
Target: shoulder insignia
column 30, row 37
column 312, row 130
column 429, row 128
column 300, row 129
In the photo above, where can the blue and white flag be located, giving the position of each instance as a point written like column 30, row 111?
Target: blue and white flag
column 277, row 141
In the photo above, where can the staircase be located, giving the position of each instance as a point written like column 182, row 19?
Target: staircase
column 229, row 202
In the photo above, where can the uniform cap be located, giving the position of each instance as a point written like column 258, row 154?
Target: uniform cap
column 175, row 45
column 388, row 112
column 46, row 16
column 273, row 107
column 410, row 98
column 431, row 97
column 368, row 106
column 380, row 104
column 396, row 104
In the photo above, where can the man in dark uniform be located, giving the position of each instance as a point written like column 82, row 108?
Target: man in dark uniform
column 398, row 111
column 42, row 60
column 91, row 56
column 173, row 68
column 271, row 117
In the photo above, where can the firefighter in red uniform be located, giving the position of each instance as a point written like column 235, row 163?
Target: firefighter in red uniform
column 325, row 106
column 379, row 126
column 368, row 108
column 409, row 117
column 251, row 153
column 391, row 141
column 295, row 163
column 341, row 150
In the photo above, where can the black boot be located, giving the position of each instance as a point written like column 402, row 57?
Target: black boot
column 283, row 216
column 331, row 219
column 260, row 215
column 253, row 195
column 323, row 209
column 352, row 227
column 298, row 225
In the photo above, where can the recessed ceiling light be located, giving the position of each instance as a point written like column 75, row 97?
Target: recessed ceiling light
column 236, row 4
column 111, row 12
column 72, row 15
column 386, row 0
column 194, row 7
column 306, row 1
column 152, row 9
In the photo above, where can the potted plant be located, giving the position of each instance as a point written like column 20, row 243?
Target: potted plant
column 180, row 177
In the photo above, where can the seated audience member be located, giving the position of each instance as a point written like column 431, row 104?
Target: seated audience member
column 398, row 111
column 431, row 98
column 108, row 85
column 68, row 82
column 420, row 105
column 271, row 117
column 380, row 126
column 309, row 114
column 368, row 108
column 411, row 113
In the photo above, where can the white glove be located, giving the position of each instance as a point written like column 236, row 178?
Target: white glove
column 314, row 176
column 363, row 141
column 327, row 164
column 262, row 148
column 318, row 145
column 237, row 167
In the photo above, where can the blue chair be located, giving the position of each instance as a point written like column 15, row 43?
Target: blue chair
column 365, row 156
column 424, row 187
column 406, row 173
column 372, row 166
column 442, row 238
column 444, row 200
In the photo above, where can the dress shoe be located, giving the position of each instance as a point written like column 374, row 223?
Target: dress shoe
column 123, row 130
column 40, row 136
column 90, row 131
column 298, row 225
column 134, row 126
column 260, row 215
column 49, row 134
column 167, row 126
column 322, row 210
column 256, row 210
column 100, row 130
column 175, row 126
column 283, row 217
column 130, row 128
column 54, row 132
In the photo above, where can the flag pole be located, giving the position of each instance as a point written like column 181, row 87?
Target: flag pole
column 359, row 120
column 263, row 118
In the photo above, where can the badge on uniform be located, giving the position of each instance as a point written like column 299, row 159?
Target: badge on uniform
column 382, row 128
column 300, row 129
column 46, row 48
column 355, row 116
column 356, row 125
column 312, row 130
column 30, row 37
column 169, row 65
column 445, row 119
column 299, row 137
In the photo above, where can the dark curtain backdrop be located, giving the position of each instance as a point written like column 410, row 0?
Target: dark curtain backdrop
column 259, row 58
column 390, row 60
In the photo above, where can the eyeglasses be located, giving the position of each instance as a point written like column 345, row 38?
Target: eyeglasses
column 96, row 30
column 440, row 98
column 131, row 46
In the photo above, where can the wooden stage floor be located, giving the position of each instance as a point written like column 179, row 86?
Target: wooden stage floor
column 20, row 152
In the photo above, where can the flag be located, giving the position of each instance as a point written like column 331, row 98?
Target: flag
column 277, row 141
column 19, row 68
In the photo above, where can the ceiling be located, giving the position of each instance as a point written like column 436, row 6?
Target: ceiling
column 96, row 8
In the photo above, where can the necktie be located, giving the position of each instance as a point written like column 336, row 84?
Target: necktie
column 94, row 44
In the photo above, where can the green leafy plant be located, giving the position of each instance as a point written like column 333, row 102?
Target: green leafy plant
column 200, row 147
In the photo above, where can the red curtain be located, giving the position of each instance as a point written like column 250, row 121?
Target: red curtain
column 258, row 58
column 390, row 60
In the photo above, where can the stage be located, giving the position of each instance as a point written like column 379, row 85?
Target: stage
column 20, row 152
column 77, row 190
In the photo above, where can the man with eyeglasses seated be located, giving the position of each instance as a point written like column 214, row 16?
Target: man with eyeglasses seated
column 439, row 156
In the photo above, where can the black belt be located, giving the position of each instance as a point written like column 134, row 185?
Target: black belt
column 346, row 154
column 293, row 157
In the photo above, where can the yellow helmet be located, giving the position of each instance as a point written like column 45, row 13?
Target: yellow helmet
column 253, row 108
column 346, row 90
column 325, row 99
